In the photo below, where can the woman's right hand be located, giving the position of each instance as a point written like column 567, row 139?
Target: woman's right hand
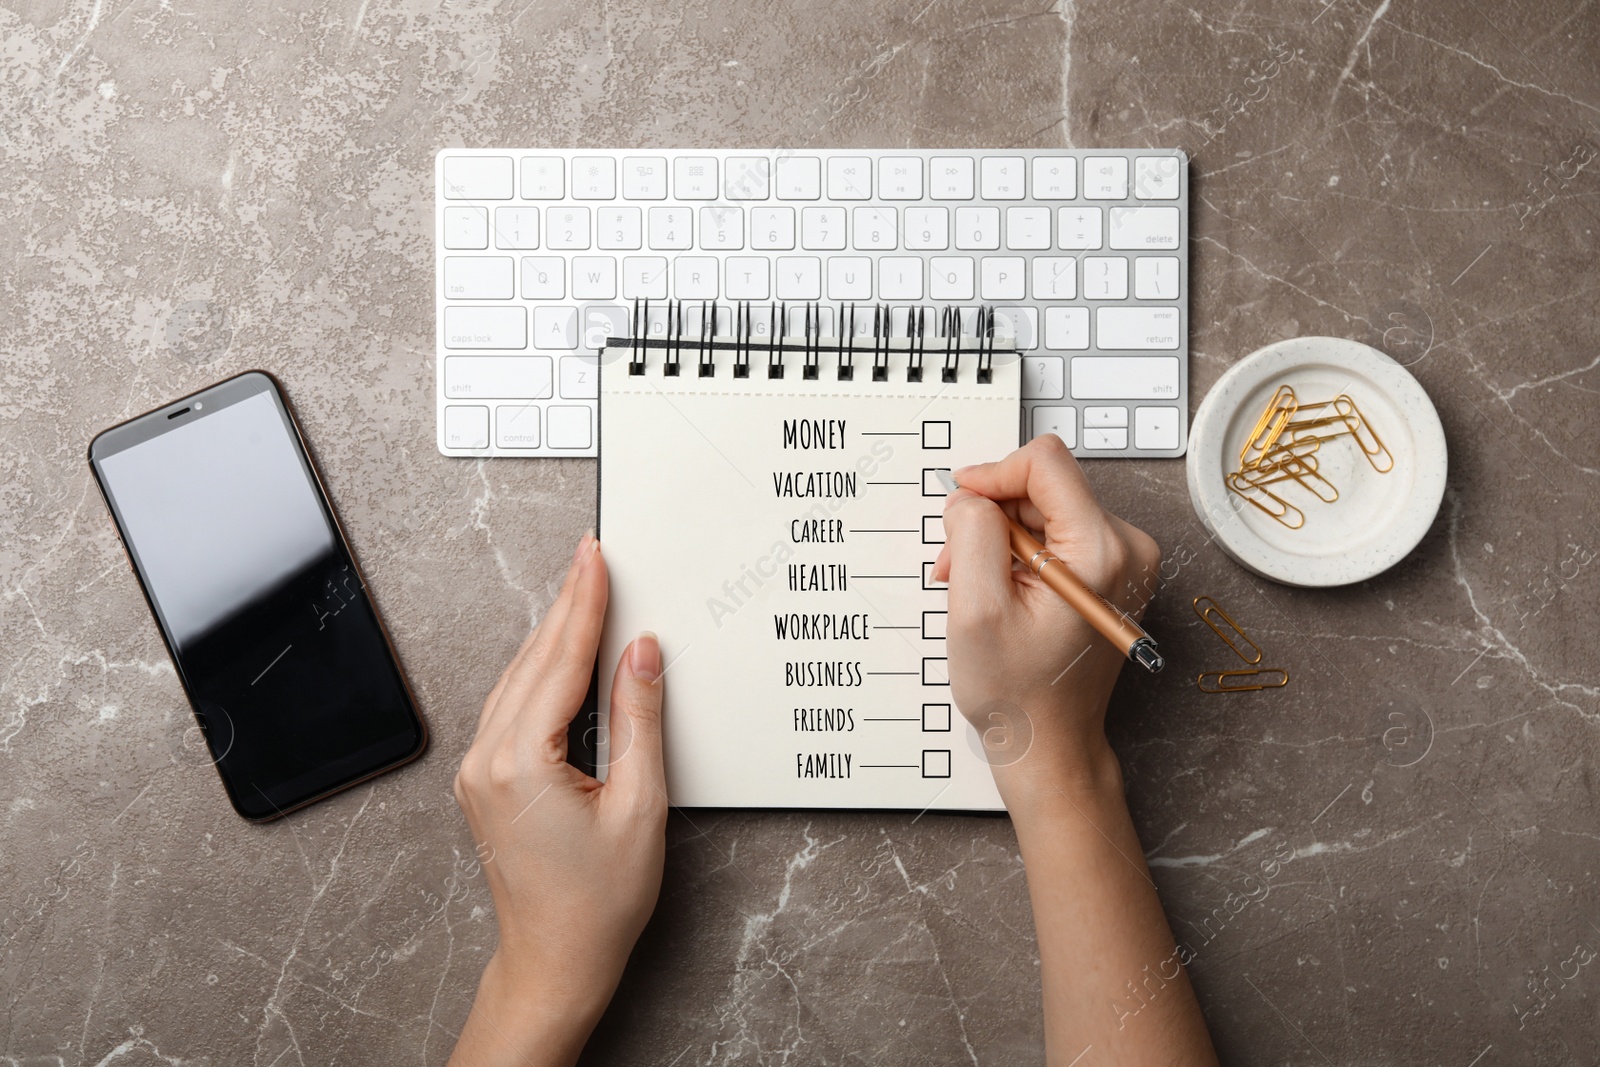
column 1029, row 673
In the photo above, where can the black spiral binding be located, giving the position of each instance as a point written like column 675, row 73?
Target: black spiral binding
column 744, row 341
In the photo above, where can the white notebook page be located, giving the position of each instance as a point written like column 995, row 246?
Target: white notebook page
column 776, row 535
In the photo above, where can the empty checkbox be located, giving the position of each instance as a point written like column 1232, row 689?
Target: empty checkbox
column 935, row 625
column 933, row 529
column 936, row 718
column 927, row 578
column 935, row 670
column 936, row 434
column 936, row 763
column 930, row 482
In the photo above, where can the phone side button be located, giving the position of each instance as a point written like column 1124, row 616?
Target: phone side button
column 466, row 426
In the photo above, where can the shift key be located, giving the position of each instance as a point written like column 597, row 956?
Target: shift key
column 497, row 377
column 485, row 327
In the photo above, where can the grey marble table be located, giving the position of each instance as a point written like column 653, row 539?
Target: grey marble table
column 193, row 188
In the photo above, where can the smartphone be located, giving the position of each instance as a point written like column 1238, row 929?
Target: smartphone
column 242, row 560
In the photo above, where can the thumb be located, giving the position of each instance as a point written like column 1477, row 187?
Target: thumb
column 978, row 543
column 635, row 766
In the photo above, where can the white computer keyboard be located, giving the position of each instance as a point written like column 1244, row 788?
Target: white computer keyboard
column 541, row 255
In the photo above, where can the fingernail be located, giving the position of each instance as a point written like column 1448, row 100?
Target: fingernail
column 644, row 657
column 583, row 546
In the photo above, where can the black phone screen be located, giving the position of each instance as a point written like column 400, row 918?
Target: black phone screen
column 263, row 609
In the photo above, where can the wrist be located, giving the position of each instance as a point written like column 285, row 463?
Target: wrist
column 1057, row 776
column 534, row 1016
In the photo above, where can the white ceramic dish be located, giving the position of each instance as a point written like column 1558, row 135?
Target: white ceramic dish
column 1377, row 519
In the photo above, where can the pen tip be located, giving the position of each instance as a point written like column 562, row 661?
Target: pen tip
column 947, row 480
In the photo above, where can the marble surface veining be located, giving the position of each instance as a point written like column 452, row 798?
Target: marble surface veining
column 194, row 188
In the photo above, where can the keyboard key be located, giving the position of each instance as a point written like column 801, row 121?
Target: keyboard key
column 695, row 277
column 1028, row 228
column 1105, row 416
column 928, row 228
column 644, row 178
column 485, row 327
column 555, row 327
column 1155, row 278
column 877, row 228
column 1079, row 227
column 516, row 426
column 466, row 227
column 1156, row 178
column 466, row 427
column 542, row 178
column 977, row 227
column 849, row 178
column 747, row 178
column 567, row 228
column 1055, row 278
column 1135, row 328
column 644, row 278
column 477, row 278
column 671, row 228
column 1061, row 421
column 1144, row 227
column 604, row 321
column 1105, row 438
column 594, row 278
column 950, row 278
column 1003, row 277
column 484, row 377
column 1156, row 427
column 1066, row 329
column 822, row 228
column 722, row 227
column 1021, row 323
column 900, row 278
column 1105, row 278
column 516, row 227
column 1124, row 377
column 619, row 227
column 694, row 178
column 748, row 277
column 799, row 278
column 580, row 378
column 900, row 178
column 568, row 426
column 1105, row 177
column 1044, row 377
column 849, row 278
column 1055, row 178
column 772, row 228
column 544, row 278
column 950, row 177
column 478, row 178
column 1003, row 177
column 800, row 178
column 594, row 178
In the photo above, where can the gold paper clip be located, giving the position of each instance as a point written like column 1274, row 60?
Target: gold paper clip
column 1220, row 684
column 1359, row 423
column 1213, row 608
column 1291, row 468
column 1280, row 410
column 1285, row 512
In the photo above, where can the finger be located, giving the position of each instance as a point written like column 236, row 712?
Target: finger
column 546, row 691
column 500, row 684
column 978, row 538
column 1043, row 473
column 635, row 770
column 496, row 712
column 941, row 564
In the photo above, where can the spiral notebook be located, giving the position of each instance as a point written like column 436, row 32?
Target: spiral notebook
column 768, row 507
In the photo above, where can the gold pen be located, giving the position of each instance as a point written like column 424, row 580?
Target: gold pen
column 1097, row 611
